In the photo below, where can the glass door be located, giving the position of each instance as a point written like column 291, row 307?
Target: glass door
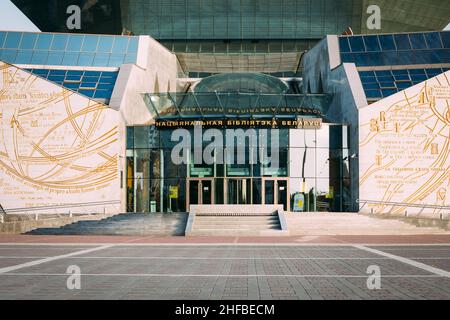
column 269, row 191
column 239, row 191
column 200, row 191
column 282, row 194
column 276, row 192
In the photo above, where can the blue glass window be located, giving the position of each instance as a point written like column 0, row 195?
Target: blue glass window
column 389, row 84
column 434, row 71
column 90, row 79
column 55, row 58
column 120, row 45
column 442, row 55
column 402, row 77
column 133, row 45
column 433, row 40
column 343, row 44
column 71, row 85
column 105, row 86
column 373, row 94
column 13, row 40
column 388, row 92
column 70, row 58
column 130, row 58
column 86, row 59
column 112, row 74
column 89, row 93
column 92, row 73
column 400, row 72
column 103, row 94
column 371, row 86
column 101, row 60
column 90, row 43
column 387, row 42
column 116, row 60
column 372, row 43
column 367, row 74
column 88, row 84
column 75, row 42
column 74, row 73
column 28, row 41
column 107, row 80
column 44, row 41
column 418, row 77
column 55, row 78
column 39, row 57
column 41, row 72
column 357, row 44
column 403, row 85
column 383, row 73
column 105, row 44
column 57, row 72
column 402, row 41
column 416, row 71
column 73, row 78
column 2, row 38
column 368, row 79
column 24, row 57
column 417, row 41
column 444, row 35
column 59, row 42
column 386, row 79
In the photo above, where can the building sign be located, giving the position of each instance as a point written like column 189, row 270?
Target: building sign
column 299, row 202
column 300, row 122
column 173, row 192
column 243, row 111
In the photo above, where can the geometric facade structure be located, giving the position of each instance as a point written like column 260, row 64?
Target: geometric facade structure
column 158, row 117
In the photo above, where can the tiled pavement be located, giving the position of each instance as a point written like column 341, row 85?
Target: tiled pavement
column 227, row 271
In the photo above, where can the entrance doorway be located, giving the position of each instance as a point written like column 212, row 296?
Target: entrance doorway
column 276, row 192
column 239, row 191
column 200, row 191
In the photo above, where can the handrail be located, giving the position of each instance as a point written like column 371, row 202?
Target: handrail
column 72, row 205
column 401, row 204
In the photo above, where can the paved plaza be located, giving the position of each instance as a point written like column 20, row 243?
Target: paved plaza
column 224, row 271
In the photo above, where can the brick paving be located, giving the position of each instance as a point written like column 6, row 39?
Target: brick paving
column 218, row 271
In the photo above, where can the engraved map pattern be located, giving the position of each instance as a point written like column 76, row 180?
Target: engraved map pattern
column 56, row 146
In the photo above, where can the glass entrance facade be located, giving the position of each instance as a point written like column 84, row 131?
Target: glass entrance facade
column 312, row 173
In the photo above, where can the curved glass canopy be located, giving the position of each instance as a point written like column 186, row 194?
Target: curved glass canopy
column 234, row 105
column 247, row 82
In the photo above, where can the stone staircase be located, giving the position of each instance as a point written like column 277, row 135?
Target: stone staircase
column 313, row 224
column 126, row 224
column 236, row 220
column 237, row 226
